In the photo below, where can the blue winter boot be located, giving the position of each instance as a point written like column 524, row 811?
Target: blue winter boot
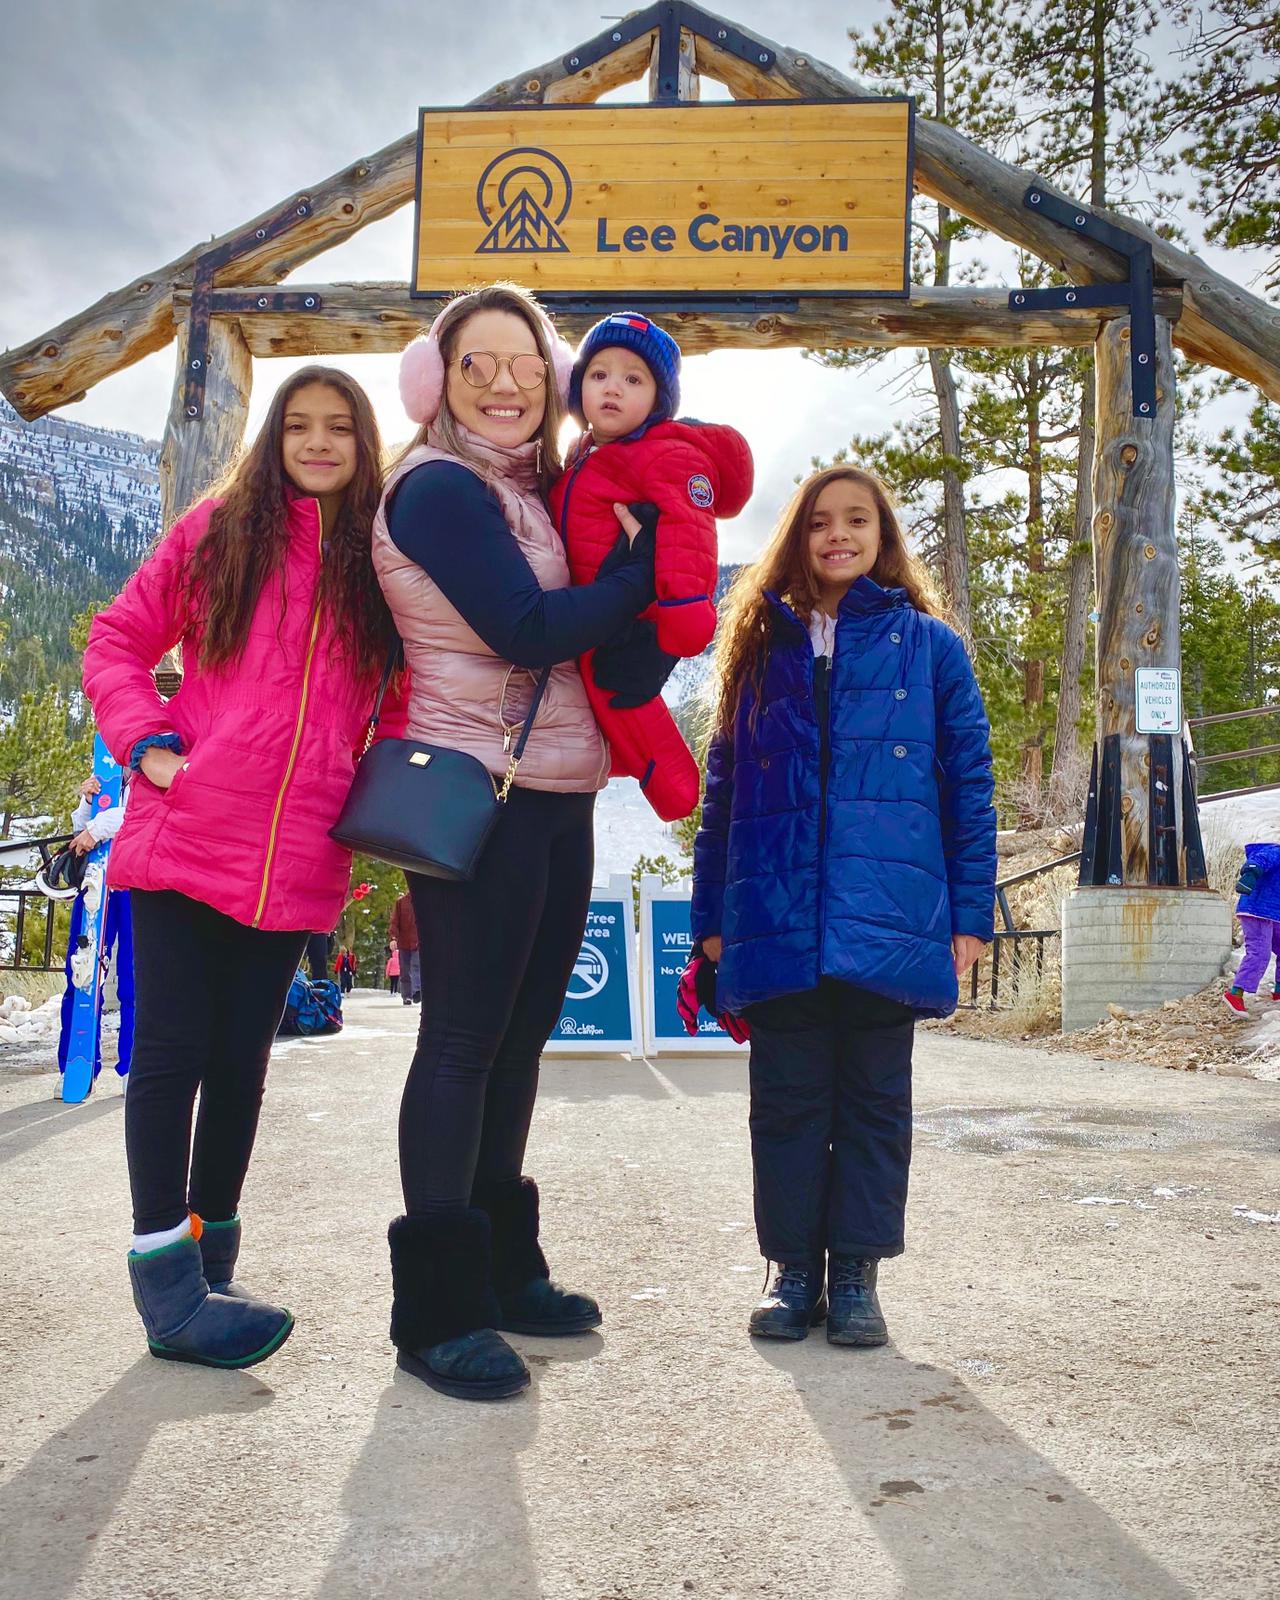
column 219, row 1251
column 184, row 1322
column 855, row 1316
column 792, row 1304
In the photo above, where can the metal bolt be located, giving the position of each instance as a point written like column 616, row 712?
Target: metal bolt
column 1034, row 199
column 1144, row 408
column 262, row 302
column 191, row 411
column 1071, row 297
column 1080, row 220
column 261, row 233
column 617, row 38
column 573, row 61
column 302, row 210
column 1142, row 360
column 196, row 364
column 722, row 33
column 1019, row 299
column 309, row 302
column 764, row 59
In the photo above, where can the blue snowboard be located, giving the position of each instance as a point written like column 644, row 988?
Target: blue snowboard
column 86, row 959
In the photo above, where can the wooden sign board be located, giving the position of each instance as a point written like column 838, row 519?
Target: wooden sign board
column 669, row 202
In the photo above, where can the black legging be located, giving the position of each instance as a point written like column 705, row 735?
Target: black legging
column 497, row 954
column 210, row 993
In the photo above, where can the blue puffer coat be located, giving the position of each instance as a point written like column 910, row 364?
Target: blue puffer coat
column 1264, row 901
column 909, row 855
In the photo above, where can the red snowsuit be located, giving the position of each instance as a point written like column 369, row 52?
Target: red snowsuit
column 693, row 472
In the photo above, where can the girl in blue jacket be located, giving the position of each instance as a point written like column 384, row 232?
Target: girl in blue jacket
column 844, row 878
column 1259, row 911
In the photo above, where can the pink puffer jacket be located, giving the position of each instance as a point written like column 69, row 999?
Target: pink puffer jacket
column 270, row 741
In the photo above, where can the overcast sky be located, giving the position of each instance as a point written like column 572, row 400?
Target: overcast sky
column 130, row 129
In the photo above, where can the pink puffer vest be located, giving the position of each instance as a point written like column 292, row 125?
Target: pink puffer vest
column 460, row 692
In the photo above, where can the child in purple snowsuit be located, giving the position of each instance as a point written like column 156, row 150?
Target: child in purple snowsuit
column 1259, row 911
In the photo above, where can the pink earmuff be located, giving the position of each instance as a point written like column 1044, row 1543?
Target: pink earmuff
column 422, row 370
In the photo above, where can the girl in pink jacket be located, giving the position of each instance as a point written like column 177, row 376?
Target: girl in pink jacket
column 269, row 589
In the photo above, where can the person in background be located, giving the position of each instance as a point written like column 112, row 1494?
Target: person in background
column 393, row 970
column 1259, row 911
column 92, row 828
column 402, row 936
column 345, row 969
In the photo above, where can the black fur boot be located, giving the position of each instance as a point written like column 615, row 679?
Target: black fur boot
column 530, row 1301
column 443, row 1309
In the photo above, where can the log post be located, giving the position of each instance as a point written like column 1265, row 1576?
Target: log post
column 1136, row 566
column 1136, row 933
column 196, row 451
column 689, row 85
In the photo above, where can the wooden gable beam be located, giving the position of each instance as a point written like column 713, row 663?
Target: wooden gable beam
column 380, row 319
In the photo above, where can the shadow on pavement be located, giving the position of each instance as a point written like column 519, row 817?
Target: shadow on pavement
column 53, row 1509
column 435, row 1504
column 23, row 1128
column 962, row 1505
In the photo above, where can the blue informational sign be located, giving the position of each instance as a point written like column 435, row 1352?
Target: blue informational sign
column 667, row 945
column 599, row 1012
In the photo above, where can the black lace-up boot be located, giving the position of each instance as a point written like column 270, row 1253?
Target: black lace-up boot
column 855, row 1316
column 793, row 1303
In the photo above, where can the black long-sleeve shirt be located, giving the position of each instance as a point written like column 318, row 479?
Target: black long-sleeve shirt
column 447, row 520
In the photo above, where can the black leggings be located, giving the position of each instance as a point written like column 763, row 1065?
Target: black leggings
column 497, row 954
column 210, row 993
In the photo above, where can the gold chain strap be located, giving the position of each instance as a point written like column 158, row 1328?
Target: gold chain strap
column 508, row 780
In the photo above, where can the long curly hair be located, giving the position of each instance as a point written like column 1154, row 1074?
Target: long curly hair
column 746, row 616
column 248, row 534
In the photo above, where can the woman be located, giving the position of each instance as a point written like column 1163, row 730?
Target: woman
column 268, row 587
column 477, row 582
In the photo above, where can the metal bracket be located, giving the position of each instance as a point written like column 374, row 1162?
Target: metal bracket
column 234, row 302
column 201, row 313
column 1138, row 294
column 668, row 17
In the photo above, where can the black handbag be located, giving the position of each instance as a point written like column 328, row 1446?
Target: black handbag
column 424, row 807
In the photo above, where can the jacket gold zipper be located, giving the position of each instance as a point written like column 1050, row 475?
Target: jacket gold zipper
column 297, row 737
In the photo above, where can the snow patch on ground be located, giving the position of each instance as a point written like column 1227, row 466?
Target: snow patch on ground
column 1248, row 819
column 627, row 827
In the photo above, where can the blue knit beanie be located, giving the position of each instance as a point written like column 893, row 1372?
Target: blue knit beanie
column 656, row 348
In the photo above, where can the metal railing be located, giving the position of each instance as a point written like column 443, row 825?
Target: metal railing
column 19, row 919
column 1216, row 757
column 1013, row 937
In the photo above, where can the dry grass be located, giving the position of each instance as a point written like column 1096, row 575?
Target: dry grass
column 34, row 986
column 1223, row 857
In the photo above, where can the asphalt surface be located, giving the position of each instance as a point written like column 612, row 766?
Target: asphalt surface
column 1080, row 1399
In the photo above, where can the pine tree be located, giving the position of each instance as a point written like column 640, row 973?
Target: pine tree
column 1228, row 109
column 949, row 54
column 43, row 758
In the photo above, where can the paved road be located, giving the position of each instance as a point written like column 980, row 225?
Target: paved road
column 1080, row 1399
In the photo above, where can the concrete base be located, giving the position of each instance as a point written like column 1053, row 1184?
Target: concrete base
column 1137, row 948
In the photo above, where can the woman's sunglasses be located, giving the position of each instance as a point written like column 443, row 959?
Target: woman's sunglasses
column 480, row 368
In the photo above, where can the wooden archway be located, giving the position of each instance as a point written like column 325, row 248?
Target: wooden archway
column 224, row 300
